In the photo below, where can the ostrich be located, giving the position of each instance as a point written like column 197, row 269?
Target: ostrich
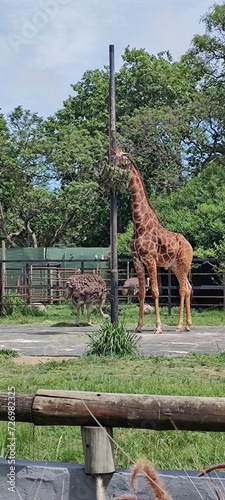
column 131, row 288
column 84, row 289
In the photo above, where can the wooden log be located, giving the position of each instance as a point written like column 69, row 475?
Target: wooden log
column 21, row 404
column 98, row 450
column 129, row 410
column 118, row 410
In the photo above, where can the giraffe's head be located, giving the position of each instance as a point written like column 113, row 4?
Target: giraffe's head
column 122, row 159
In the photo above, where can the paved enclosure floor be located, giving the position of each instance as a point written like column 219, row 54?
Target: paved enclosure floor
column 72, row 341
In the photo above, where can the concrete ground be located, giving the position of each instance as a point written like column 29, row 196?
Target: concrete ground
column 72, row 341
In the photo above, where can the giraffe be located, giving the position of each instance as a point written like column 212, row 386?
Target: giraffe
column 153, row 246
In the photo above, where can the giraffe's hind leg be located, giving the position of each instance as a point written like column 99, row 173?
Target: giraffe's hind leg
column 188, row 306
column 183, row 290
column 185, row 297
column 179, row 327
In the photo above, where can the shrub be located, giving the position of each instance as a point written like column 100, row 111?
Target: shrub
column 113, row 340
column 14, row 305
column 8, row 353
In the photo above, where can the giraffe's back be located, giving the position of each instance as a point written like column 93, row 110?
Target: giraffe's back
column 165, row 247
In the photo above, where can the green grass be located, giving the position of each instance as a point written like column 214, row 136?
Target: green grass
column 194, row 374
column 64, row 315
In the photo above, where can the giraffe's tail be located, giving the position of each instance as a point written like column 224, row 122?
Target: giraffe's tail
column 189, row 279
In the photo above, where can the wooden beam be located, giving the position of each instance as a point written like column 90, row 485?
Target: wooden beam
column 23, row 406
column 129, row 410
column 48, row 407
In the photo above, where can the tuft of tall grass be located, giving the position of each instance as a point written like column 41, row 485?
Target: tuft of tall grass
column 113, row 340
column 8, row 353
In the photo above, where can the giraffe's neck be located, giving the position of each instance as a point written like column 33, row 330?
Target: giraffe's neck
column 142, row 210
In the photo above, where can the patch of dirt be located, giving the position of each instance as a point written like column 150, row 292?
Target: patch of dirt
column 36, row 360
column 207, row 371
column 216, row 372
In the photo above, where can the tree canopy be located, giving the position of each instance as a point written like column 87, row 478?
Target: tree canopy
column 170, row 117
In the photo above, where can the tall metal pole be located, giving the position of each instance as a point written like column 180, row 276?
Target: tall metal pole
column 113, row 195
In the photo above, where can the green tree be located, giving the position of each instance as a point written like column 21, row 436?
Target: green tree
column 149, row 81
column 197, row 209
column 206, row 58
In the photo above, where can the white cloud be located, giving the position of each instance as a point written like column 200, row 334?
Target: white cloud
column 47, row 45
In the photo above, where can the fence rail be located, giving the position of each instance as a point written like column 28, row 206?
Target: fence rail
column 143, row 411
column 44, row 280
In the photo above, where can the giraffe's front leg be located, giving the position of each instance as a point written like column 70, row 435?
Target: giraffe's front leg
column 141, row 305
column 140, row 270
column 152, row 270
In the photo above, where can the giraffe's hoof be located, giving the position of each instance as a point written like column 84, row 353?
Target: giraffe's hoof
column 138, row 329
column 90, row 324
column 187, row 328
column 158, row 331
column 179, row 329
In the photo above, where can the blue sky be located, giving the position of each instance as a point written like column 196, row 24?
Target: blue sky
column 46, row 45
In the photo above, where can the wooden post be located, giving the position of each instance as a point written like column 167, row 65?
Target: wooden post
column 113, row 194
column 169, row 293
column 128, row 276
column 51, row 285
column 27, row 281
column 31, row 284
column 98, row 450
